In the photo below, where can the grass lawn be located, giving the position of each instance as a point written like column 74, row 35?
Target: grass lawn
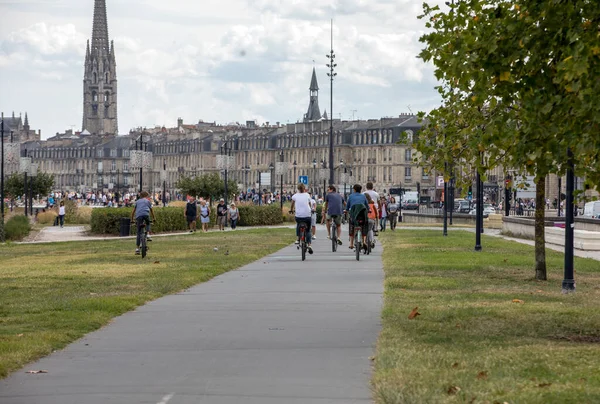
column 53, row 294
column 487, row 331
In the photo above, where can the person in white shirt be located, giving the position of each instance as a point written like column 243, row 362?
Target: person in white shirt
column 61, row 214
column 313, row 217
column 301, row 205
column 375, row 196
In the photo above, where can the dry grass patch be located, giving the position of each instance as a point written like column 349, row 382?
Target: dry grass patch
column 487, row 331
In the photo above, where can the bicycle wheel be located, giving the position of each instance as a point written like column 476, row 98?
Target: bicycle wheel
column 302, row 245
column 144, row 246
column 333, row 237
column 358, row 244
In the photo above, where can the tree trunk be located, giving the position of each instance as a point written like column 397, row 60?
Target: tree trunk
column 540, row 236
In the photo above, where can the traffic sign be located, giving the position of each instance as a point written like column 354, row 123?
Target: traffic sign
column 303, row 179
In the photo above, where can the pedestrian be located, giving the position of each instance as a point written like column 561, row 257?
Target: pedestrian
column 204, row 215
column 383, row 212
column 313, row 217
column 234, row 216
column 222, row 214
column 61, row 213
column 191, row 213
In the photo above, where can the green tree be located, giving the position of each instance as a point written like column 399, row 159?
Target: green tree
column 518, row 83
column 41, row 184
column 208, row 186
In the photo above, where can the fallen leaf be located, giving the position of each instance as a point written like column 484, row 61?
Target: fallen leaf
column 35, row 372
column 455, row 365
column 518, row 301
column 482, row 375
column 20, row 335
column 157, row 262
column 544, row 384
column 540, row 291
column 414, row 313
column 453, row 389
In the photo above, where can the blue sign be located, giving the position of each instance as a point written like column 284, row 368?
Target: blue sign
column 303, row 179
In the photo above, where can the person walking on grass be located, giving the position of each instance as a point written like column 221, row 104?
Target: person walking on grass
column 191, row 213
column 61, row 214
column 234, row 216
column 222, row 214
column 204, row 215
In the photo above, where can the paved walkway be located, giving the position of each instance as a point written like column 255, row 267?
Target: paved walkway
column 276, row 331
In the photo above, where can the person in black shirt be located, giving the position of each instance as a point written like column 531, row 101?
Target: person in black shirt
column 222, row 214
column 191, row 213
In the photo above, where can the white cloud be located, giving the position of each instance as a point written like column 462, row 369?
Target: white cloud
column 226, row 61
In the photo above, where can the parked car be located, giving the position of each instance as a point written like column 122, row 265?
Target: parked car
column 592, row 210
column 410, row 204
column 487, row 210
column 463, row 207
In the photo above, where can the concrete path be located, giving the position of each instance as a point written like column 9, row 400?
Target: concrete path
column 276, row 331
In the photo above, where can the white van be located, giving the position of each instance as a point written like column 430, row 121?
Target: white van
column 592, row 209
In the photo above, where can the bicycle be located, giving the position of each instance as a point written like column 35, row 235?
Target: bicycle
column 143, row 239
column 357, row 241
column 302, row 244
column 333, row 233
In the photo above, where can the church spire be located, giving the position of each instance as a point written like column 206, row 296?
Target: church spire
column 314, row 86
column 313, row 113
column 100, row 29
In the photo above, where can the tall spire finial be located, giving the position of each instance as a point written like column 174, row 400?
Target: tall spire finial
column 314, row 86
column 100, row 29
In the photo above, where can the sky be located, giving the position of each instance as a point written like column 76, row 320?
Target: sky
column 216, row 60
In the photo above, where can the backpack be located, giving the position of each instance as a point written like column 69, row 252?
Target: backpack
column 359, row 214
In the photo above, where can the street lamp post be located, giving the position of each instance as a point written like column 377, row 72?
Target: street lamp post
column 272, row 169
column 479, row 212
column 141, row 145
column 568, row 284
column 324, row 179
column 314, row 162
column 343, row 165
column 281, row 180
column 164, row 193
column 2, row 171
column 331, row 65
column 295, row 178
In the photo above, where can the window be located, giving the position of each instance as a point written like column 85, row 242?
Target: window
column 425, row 174
column 106, row 95
column 126, row 153
column 390, row 174
column 94, row 78
column 126, row 180
column 106, row 77
column 407, row 155
column 94, row 96
column 100, row 168
column 113, row 165
column 100, row 153
column 407, row 172
column 113, row 152
column 125, row 166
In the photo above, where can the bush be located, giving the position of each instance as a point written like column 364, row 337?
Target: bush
column 17, row 228
column 108, row 220
column 177, row 204
column 253, row 215
column 46, row 217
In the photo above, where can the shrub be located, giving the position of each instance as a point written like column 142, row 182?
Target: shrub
column 177, row 204
column 253, row 215
column 46, row 217
column 84, row 215
column 108, row 220
column 17, row 228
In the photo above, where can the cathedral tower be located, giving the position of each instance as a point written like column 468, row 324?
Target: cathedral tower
column 313, row 113
column 100, row 78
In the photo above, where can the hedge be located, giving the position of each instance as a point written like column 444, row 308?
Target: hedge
column 253, row 215
column 17, row 228
column 108, row 220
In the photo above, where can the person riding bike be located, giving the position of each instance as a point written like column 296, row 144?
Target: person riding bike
column 357, row 208
column 141, row 213
column 303, row 214
column 334, row 206
column 373, row 215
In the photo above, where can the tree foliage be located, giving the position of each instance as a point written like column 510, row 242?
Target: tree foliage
column 519, row 86
column 207, row 186
column 41, row 184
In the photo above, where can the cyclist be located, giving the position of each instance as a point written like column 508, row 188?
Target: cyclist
column 303, row 214
column 141, row 213
column 313, row 217
column 373, row 215
column 375, row 196
column 334, row 206
column 356, row 199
